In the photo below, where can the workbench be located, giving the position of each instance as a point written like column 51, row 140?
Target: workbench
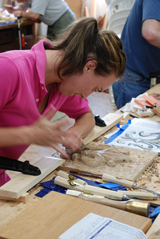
column 9, row 39
column 63, row 208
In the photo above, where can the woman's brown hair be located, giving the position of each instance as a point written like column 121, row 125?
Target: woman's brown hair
column 82, row 42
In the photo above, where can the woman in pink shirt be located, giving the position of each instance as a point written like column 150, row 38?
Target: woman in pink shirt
column 51, row 77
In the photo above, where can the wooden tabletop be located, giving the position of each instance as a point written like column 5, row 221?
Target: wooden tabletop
column 12, row 212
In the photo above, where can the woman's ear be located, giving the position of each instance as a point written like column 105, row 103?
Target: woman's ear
column 90, row 65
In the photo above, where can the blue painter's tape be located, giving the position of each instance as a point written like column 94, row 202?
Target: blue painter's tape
column 113, row 186
column 119, row 132
column 155, row 212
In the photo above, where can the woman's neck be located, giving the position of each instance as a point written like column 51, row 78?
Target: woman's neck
column 53, row 59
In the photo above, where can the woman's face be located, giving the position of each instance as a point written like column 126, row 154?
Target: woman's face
column 83, row 84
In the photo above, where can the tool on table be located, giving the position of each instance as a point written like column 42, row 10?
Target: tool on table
column 70, row 184
column 150, row 99
column 126, row 183
column 63, row 182
column 132, row 205
column 129, row 114
column 105, row 192
column 16, row 165
column 85, row 147
column 84, row 173
column 99, row 121
column 70, row 177
column 139, row 195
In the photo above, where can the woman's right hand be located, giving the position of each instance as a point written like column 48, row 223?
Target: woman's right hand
column 47, row 133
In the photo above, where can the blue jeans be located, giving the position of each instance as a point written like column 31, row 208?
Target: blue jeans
column 129, row 86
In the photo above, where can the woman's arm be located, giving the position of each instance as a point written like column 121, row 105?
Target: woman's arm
column 83, row 125
column 42, row 132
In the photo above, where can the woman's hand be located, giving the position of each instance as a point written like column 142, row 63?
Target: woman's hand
column 47, row 133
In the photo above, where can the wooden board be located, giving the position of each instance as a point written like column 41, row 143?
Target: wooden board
column 55, row 213
column 110, row 119
column 22, row 182
column 76, row 7
column 127, row 170
column 154, row 228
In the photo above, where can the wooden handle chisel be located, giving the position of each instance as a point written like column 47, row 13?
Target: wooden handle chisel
column 105, row 192
column 70, row 177
column 63, row 182
column 126, row 183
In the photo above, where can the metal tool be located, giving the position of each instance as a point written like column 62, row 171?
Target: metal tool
column 16, row 165
column 126, row 183
column 85, row 147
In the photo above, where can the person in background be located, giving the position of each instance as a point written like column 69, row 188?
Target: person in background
column 54, row 13
column 59, row 74
column 141, row 43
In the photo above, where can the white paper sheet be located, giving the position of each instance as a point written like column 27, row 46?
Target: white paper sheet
column 94, row 226
column 141, row 134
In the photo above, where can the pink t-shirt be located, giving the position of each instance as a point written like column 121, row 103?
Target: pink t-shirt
column 22, row 89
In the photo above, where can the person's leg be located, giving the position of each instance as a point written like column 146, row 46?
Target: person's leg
column 129, row 86
column 61, row 24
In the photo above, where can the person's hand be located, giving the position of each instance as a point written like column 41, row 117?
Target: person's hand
column 17, row 13
column 47, row 133
column 9, row 8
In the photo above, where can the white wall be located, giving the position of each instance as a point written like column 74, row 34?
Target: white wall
column 1, row 2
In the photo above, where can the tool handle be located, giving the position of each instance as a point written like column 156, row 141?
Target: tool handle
column 112, row 179
column 70, row 177
column 103, row 192
column 138, row 195
column 63, row 182
column 104, row 201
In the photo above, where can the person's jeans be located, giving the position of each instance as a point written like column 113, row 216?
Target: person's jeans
column 129, row 86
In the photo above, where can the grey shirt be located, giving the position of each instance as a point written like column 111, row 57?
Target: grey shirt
column 50, row 10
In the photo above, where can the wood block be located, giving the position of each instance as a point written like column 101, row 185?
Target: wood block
column 110, row 119
column 156, row 110
column 56, row 212
column 24, row 198
column 141, row 159
column 154, row 228
column 142, row 103
column 22, row 182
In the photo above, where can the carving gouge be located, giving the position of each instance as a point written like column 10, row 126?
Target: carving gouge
column 105, row 192
column 71, row 177
column 16, row 165
column 126, row 183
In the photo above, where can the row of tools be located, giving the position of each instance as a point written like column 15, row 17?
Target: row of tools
column 132, row 201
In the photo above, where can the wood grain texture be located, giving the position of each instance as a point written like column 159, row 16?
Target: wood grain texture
column 61, row 213
column 22, row 182
column 127, row 170
column 110, row 119
column 154, row 228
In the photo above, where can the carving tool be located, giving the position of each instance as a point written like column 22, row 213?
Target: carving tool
column 84, row 173
column 129, row 114
column 70, row 177
column 105, row 192
column 16, row 165
column 139, row 195
column 126, row 183
column 132, row 205
column 85, row 147
column 63, row 182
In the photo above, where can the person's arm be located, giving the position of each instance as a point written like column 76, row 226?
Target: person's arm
column 42, row 132
column 12, row 9
column 151, row 32
column 84, row 124
column 29, row 15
